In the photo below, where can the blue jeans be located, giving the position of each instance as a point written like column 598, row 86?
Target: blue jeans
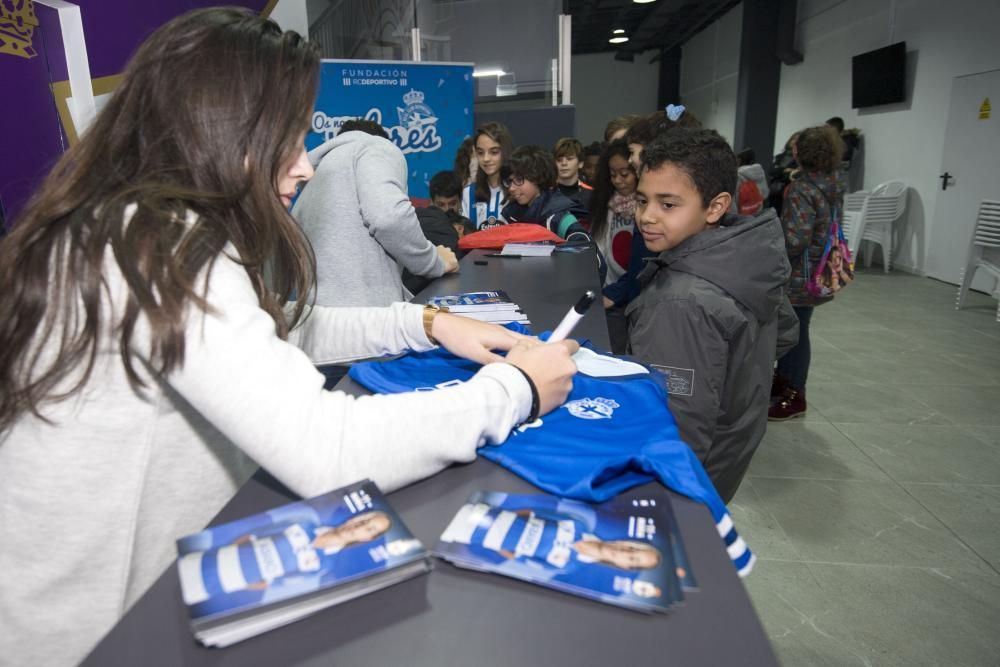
column 794, row 366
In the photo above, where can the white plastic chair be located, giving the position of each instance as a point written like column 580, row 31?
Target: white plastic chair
column 984, row 251
column 853, row 219
column 881, row 208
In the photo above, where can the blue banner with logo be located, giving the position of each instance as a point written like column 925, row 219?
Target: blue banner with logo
column 425, row 107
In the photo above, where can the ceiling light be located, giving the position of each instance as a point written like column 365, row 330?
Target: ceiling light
column 621, row 39
column 618, row 31
column 488, row 72
column 642, row 2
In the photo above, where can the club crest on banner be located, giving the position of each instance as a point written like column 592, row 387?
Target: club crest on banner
column 416, row 113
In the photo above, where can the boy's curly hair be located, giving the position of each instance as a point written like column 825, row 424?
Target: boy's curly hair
column 702, row 154
column 819, row 149
column 535, row 164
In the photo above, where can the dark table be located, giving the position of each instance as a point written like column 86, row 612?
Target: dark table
column 457, row 617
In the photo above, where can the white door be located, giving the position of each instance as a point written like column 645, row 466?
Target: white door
column 972, row 162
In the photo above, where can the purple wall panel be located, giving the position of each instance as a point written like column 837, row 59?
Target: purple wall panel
column 115, row 28
column 31, row 139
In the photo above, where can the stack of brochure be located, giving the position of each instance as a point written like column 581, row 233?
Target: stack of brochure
column 493, row 306
column 627, row 553
column 261, row 572
column 538, row 249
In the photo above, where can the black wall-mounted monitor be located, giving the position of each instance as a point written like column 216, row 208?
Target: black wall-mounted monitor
column 879, row 76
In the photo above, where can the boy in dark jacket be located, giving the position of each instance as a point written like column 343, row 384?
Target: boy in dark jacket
column 442, row 222
column 535, row 199
column 568, row 153
column 712, row 301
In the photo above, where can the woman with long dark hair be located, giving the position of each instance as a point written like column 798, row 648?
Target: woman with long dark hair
column 153, row 356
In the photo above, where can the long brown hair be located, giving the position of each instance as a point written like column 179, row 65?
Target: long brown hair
column 463, row 158
column 603, row 189
column 210, row 109
column 499, row 133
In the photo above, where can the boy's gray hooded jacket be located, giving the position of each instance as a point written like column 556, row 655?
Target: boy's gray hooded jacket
column 713, row 315
column 362, row 226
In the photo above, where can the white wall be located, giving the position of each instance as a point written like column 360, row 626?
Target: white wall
column 291, row 15
column 943, row 40
column 710, row 67
column 604, row 88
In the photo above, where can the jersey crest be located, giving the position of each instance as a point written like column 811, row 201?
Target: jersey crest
column 592, row 408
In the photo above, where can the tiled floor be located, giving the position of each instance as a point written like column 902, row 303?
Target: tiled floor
column 876, row 519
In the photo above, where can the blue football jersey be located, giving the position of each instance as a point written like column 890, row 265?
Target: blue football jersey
column 613, row 432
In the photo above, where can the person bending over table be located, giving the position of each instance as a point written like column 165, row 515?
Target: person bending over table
column 153, row 356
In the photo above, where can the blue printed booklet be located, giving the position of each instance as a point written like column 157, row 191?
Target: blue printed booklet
column 491, row 306
column 617, row 552
column 473, row 301
column 255, row 574
column 683, row 564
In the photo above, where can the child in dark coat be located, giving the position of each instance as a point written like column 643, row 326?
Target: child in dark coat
column 713, row 300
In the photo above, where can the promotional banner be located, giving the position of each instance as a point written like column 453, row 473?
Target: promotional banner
column 426, row 108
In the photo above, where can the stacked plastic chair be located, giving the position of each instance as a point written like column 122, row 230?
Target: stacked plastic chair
column 853, row 219
column 881, row 208
column 984, row 252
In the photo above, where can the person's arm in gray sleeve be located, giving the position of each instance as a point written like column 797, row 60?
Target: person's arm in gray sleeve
column 682, row 340
column 380, row 173
column 788, row 328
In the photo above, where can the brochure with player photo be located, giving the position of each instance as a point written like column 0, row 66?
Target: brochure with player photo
column 684, row 572
column 472, row 301
column 490, row 306
column 255, row 574
column 617, row 552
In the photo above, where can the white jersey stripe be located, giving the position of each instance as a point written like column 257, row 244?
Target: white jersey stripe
column 230, row 571
column 192, row 584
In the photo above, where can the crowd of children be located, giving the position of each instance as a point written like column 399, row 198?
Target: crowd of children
column 704, row 277
column 164, row 312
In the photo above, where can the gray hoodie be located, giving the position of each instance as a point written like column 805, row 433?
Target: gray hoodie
column 709, row 315
column 362, row 226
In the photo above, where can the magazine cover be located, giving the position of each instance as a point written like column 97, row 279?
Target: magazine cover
column 291, row 551
column 614, row 553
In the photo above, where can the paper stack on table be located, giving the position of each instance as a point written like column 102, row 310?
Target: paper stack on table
column 542, row 249
column 625, row 552
column 267, row 570
column 491, row 306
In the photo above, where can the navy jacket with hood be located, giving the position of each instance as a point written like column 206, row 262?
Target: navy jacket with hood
column 709, row 315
